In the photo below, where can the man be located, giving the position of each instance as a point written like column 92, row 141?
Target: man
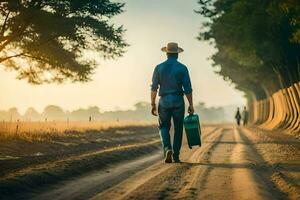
column 238, row 116
column 173, row 81
column 245, row 116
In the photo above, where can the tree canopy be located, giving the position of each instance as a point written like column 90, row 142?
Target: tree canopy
column 49, row 40
column 258, row 42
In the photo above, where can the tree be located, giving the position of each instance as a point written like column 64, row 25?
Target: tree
column 93, row 111
column 49, row 41
column 210, row 114
column 53, row 112
column 31, row 114
column 257, row 42
column 14, row 114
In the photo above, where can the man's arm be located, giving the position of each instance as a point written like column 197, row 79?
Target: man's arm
column 187, row 86
column 153, row 104
column 154, row 88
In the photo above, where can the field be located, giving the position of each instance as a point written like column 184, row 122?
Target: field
column 40, row 131
column 34, row 154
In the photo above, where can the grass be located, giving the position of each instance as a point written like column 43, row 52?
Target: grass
column 40, row 131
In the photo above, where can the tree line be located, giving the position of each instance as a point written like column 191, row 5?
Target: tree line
column 140, row 112
column 258, row 50
column 258, row 43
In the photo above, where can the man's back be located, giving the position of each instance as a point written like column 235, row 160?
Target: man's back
column 245, row 114
column 171, row 77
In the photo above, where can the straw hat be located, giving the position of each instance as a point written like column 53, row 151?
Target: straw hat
column 172, row 47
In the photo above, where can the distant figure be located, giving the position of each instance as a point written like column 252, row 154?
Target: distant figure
column 245, row 116
column 173, row 80
column 90, row 118
column 238, row 116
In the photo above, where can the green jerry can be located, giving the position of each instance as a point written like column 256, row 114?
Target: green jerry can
column 192, row 130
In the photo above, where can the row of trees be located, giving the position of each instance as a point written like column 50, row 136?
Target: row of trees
column 141, row 112
column 258, row 45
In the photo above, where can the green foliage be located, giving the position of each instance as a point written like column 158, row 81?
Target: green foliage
column 257, row 41
column 50, row 40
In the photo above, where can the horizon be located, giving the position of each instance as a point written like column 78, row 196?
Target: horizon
column 22, row 112
column 140, row 112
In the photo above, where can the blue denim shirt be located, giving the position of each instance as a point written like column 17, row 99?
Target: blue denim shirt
column 173, row 80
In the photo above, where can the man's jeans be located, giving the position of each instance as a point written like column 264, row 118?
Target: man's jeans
column 167, row 111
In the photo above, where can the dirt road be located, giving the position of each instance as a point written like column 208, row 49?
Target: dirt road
column 233, row 163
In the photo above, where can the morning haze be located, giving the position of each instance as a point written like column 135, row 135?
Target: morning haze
column 121, row 83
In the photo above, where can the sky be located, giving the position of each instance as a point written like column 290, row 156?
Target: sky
column 120, row 83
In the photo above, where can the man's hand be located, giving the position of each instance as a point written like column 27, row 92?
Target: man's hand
column 153, row 110
column 191, row 110
column 190, row 100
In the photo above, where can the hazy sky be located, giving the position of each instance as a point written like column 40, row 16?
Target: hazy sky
column 123, row 82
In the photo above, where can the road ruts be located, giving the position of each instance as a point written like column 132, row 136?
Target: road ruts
column 227, row 166
column 161, row 180
column 233, row 163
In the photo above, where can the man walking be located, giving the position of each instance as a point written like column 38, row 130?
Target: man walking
column 245, row 116
column 238, row 116
column 173, row 81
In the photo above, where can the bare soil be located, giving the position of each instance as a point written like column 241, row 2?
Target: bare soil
column 30, row 167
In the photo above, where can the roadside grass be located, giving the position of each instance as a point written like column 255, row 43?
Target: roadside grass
column 41, row 131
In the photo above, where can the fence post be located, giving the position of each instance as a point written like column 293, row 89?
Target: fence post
column 17, row 128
